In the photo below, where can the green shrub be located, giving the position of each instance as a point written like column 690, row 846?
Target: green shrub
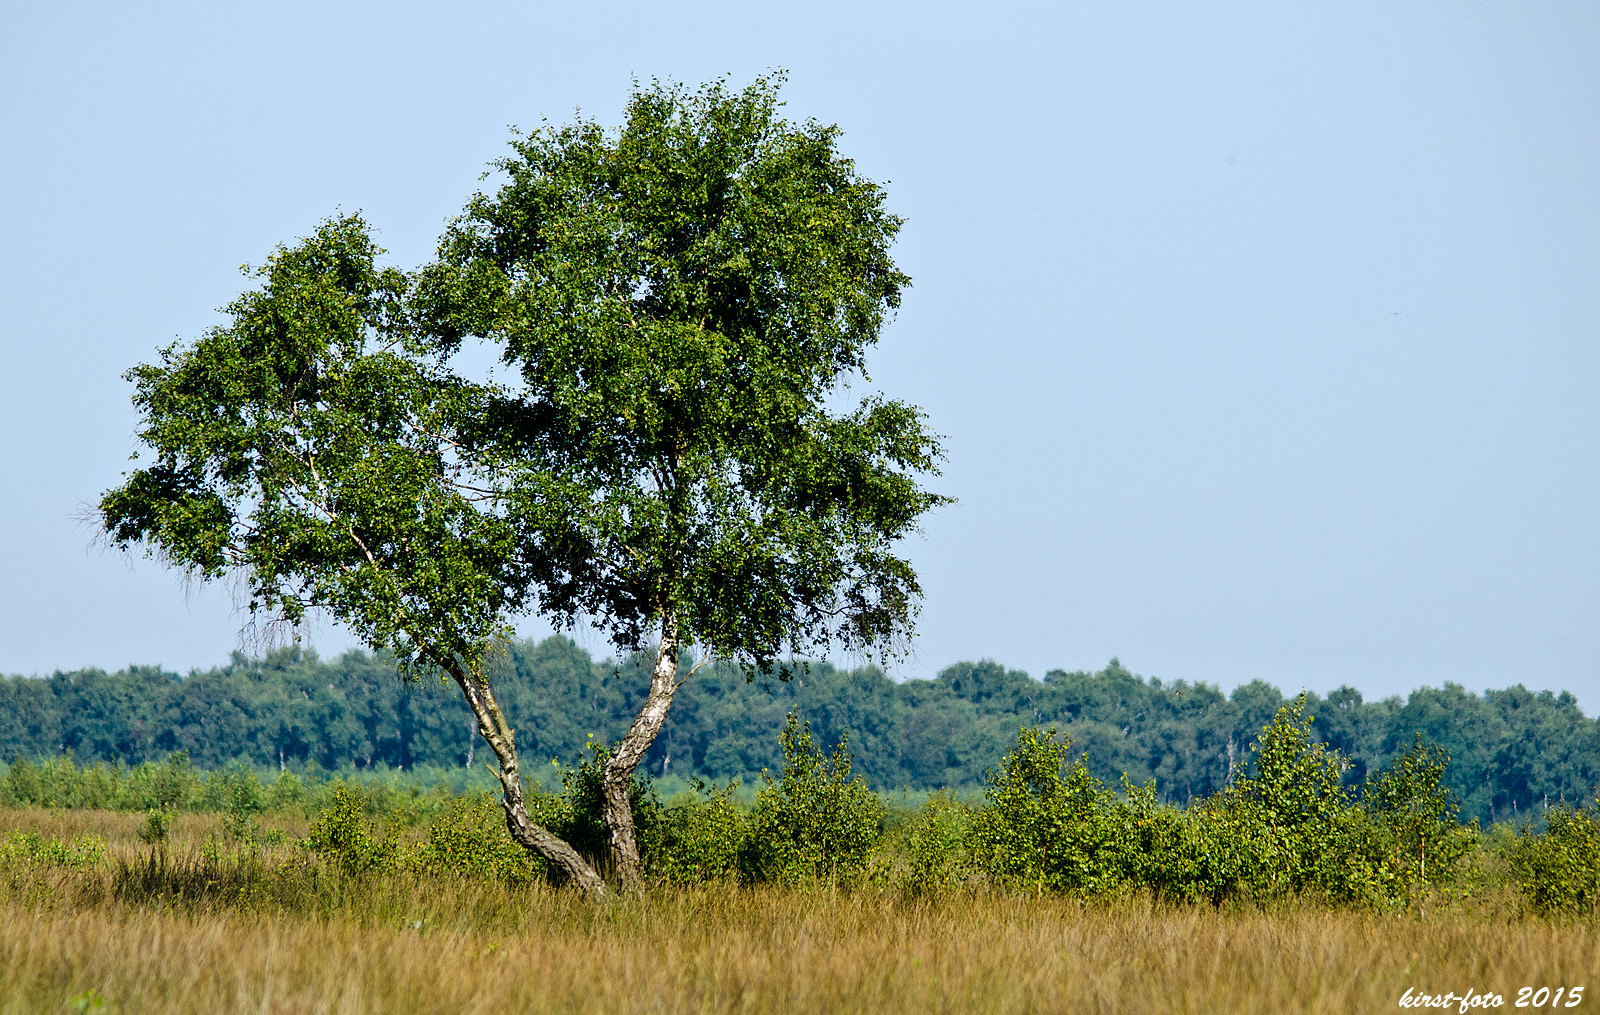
column 59, row 782
column 1417, row 816
column 1292, row 825
column 98, row 786
column 31, row 847
column 815, row 822
column 699, row 837
column 1559, row 869
column 1046, row 826
column 57, row 778
column 232, row 788
column 1162, row 846
column 1290, row 828
column 236, row 791
column 287, row 791
column 153, row 830
column 578, row 813
column 343, row 834
column 56, row 782
column 935, row 845
column 65, row 784
column 22, row 782
column 172, row 782
column 468, row 840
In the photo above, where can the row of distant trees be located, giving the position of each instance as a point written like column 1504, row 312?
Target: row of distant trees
column 1512, row 751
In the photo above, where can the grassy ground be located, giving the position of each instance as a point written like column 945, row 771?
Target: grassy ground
column 397, row 945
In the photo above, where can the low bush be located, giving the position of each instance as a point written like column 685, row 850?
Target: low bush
column 153, row 830
column 577, row 814
column 1164, row 848
column 1558, row 868
column 814, row 822
column 343, row 834
column 1289, row 827
column 58, row 782
column 32, row 848
column 935, row 855
column 469, row 840
column 699, row 837
column 287, row 792
column 1293, row 826
column 1417, row 818
column 1048, row 826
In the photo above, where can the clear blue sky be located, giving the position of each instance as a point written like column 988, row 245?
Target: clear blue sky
column 1266, row 336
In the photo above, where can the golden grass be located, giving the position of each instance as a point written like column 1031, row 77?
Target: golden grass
column 725, row 949
column 442, row 946
column 121, row 828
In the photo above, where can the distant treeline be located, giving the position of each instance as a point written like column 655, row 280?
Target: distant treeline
column 1510, row 750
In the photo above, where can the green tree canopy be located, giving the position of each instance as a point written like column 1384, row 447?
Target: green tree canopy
column 681, row 298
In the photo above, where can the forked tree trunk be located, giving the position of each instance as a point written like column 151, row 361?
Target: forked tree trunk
column 529, row 834
column 619, row 768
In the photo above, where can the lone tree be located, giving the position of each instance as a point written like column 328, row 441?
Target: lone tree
column 678, row 301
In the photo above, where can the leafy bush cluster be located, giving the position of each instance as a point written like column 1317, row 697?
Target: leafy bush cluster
column 166, row 785
column 813, row 823
column 1292, row 828
column 173, row 785
column 169, row 785
column 466, row 835
column 701, row 836
column 1559, row 868
column 344, row 834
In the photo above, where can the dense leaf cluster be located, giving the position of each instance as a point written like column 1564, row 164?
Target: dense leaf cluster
column 1511, row 750
column 1290, row 830
column 680, row 299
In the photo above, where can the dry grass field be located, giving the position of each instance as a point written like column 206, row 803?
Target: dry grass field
column 66, row 944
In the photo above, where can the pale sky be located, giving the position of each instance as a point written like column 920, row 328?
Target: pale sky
column 1265, row 337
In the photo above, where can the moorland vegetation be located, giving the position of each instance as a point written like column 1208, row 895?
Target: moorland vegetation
column 163, row 886
column 1512, row 751
column 1286, row 828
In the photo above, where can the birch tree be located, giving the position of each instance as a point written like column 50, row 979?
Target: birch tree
column 679, row 304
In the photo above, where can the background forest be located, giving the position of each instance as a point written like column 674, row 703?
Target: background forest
column 1510, row 749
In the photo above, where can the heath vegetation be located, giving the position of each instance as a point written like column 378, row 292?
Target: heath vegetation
column 1051, row 891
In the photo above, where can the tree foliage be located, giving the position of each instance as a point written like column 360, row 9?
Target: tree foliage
column 680, row 298
column 307, row 448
